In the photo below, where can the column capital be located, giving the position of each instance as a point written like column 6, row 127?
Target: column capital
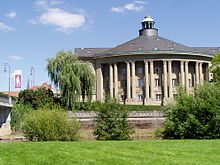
column 127, row 62
column 169, row 62
column 146, row 61
column 132, row 62
column 164, row 62
column 197, row 62
column 182, row 62
column 151, row 62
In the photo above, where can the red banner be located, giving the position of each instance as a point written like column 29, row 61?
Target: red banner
column 18, row 80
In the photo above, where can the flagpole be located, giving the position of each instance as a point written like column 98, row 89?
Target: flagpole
column 9, row 79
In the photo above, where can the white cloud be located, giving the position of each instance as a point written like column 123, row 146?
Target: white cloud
column 135, row 6
column 15, row 57
column 11, row 14
column 45, row 4
column 42, row 3
column 5, row 27
column 63, row 20
column 140, row 2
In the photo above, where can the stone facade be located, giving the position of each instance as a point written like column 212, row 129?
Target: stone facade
column 147, row 69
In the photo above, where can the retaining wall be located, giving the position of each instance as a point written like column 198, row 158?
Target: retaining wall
column 140, row 119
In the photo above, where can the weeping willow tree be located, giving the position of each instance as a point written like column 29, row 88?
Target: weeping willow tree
column 73, row 77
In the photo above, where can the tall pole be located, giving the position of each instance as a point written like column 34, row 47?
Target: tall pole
column 9, row 79
column 33, row 74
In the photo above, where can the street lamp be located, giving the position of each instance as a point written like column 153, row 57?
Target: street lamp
column 7, row 69
column 33, row 74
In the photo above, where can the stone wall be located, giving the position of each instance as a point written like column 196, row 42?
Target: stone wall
column 140, row 119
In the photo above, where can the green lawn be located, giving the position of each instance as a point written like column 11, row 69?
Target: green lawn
column 161, row 152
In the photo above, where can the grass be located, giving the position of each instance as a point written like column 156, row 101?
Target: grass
column 161, row 152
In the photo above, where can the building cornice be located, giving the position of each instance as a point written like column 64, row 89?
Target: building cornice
column 153, row 52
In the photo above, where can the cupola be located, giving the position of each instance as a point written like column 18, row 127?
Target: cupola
column 148, row 27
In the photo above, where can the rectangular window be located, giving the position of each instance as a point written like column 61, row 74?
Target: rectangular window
column 122, row 98
column 158, row 97
column 189, row 82
column 157, row 82
column 140, row 83
column 123, row 83
column 174, row 82
column 140, row 97
column 156, row 70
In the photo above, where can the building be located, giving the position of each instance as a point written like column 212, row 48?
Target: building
column 147, row 70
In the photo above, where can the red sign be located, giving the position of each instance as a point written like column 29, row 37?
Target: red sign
column 17, row 80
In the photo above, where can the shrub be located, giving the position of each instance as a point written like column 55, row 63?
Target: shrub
column 194, row 117
column 50, row 125
column 111, row 122
column 17, row 115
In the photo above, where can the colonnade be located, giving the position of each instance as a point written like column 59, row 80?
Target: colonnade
column 167, row 86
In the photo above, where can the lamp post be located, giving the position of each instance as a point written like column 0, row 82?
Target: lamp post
column 7, row 69
column 33, row 74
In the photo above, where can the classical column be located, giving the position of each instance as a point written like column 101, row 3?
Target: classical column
column 182, row 72
column 186, row 75
column 146, row 81
column 128, row 81
column 99, row 82
column 165, row 79
column 133, row 80
column 116, row 80
column 151, row 79
column 111, row 80
column 197, row 72
column 200, row 73
column 208, row 73
column 91, row 65
column 170, row 78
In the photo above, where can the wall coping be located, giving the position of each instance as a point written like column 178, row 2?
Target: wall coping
column 132, row 114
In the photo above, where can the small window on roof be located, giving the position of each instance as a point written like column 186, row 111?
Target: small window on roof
column 132, row 44
column 141, row 48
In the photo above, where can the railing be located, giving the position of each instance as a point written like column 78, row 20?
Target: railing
column 132, row 114
column 7, row 100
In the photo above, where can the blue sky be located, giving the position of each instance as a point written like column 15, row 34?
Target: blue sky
column 33, row 30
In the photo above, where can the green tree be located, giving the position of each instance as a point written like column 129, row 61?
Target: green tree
column 112, row 123
column 36, row 99
column 72, row 76
column 215, row 68
column 194, row 116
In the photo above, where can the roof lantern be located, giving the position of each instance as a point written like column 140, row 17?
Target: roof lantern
column 147, row 23
column 148, row 27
